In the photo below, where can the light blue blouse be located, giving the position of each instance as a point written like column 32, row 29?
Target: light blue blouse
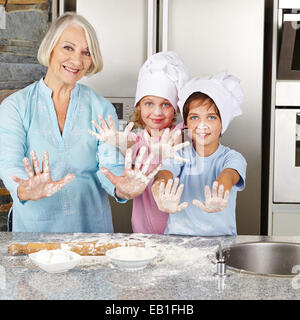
column 28, row 122
column 195, row 175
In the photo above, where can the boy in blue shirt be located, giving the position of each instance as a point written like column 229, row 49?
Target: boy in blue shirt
column 207, row 106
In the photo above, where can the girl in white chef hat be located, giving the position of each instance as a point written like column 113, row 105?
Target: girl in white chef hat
column 159, row 80
column 214, row 173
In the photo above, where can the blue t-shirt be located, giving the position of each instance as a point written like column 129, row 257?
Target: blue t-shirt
column 28, row 122
column 195, row 175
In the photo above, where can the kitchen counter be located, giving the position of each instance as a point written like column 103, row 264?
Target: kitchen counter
column 182, row 270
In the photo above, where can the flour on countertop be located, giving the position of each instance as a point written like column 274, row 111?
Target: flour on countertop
column 132, row 253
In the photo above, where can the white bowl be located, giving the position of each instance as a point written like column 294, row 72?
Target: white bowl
column 55, row 267
column 130, row 257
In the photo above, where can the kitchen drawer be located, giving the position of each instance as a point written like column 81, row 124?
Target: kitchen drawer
column 286, row 224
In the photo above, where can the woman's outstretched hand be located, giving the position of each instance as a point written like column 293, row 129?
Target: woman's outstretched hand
column 134, row 179
column 39, row 184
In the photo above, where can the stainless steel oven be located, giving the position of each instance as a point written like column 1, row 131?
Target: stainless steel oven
column 286, row 187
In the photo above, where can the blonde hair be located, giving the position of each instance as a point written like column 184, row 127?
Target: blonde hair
column 136, row 117
column 55, row 31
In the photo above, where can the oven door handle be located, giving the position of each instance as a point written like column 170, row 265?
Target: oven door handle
column 291, row 17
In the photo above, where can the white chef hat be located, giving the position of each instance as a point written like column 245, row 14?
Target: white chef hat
column 222, row 88
column 162, row 75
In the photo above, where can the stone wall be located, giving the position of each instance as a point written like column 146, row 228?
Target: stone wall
column 26, row 24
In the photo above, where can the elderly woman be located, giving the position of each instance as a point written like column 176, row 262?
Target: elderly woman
column 50, row 119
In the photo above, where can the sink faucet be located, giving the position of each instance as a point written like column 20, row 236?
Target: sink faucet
column 221, row 265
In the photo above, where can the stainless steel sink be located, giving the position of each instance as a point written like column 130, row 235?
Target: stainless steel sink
column 264, row 258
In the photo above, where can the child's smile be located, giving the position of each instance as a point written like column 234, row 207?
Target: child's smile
column 156, row 121
column 204, row 124
column 202, row 129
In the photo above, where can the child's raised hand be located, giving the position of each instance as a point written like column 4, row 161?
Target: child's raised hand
column 109, row 134
column 167, row 197
column 215, row 202
column 168, row 145
column 134, row 180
